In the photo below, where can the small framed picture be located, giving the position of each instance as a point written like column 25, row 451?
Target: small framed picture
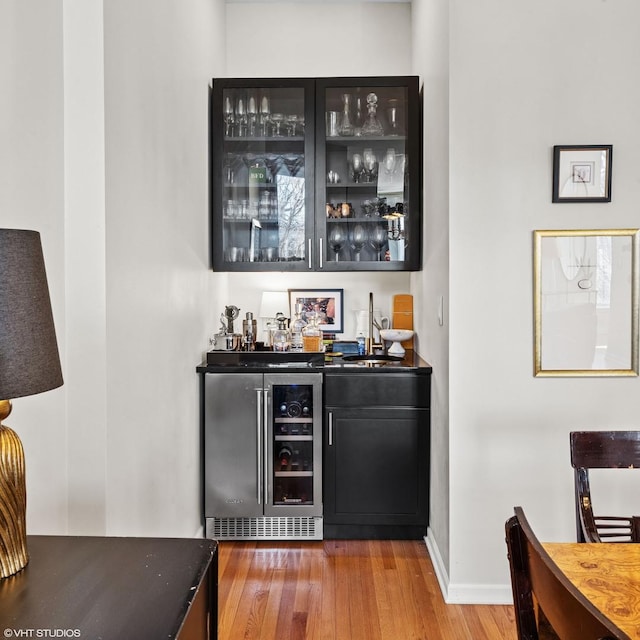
column 327, row 304
column 582, row 173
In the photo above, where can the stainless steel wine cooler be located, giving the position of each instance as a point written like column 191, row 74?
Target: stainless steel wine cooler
column 263, row 456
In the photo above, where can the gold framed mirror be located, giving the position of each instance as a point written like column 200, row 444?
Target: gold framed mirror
column 586, row 302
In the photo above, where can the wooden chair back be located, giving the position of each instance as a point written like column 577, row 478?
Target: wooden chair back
column 602, row 450
column 542, row 591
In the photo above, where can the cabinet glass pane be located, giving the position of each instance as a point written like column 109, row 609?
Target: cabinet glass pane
column 293, row 459
column 367, row 179
column 263, row 175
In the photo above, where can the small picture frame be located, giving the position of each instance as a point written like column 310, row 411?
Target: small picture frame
column 582, row 173
column 327, row 303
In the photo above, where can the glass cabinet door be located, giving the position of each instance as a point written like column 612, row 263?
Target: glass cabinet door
column 262, row 174
column 368, row 181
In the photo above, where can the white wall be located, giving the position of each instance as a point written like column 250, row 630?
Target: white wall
column 430, row 56
column 524, row 77
column 159, row 58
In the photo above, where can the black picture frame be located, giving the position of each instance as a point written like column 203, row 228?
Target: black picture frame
column 328, row 302
column 582, row 173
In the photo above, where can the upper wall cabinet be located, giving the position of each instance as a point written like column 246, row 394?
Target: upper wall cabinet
column 316, row 174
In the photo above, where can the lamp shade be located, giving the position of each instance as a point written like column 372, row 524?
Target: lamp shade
column 29, row 358
column 274, row 302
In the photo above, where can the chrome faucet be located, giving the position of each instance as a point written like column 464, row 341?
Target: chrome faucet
column 372, row 346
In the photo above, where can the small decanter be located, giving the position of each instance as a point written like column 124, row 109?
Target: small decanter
column 297, row 327
column 372, row 126
column 346, row 124
column 312, row 334
column 281, row 337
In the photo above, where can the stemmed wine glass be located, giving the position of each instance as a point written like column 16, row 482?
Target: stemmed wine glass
column 358, row 239
column 370, row 165
column 274, row 163
column 277, row 119
column 292, row 123
column 252, row 116
column 229, row 117
column 265, row 112
column 241, row 117
column 378, row 239
column 337, row 238
column 356, row 167
column 294, row 163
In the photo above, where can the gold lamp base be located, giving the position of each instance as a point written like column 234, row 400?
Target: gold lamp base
column 13, row 499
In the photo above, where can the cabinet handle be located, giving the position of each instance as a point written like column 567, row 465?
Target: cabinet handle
column 259, row 413
column 330, row 415
column 321, row 253
column 310, row 248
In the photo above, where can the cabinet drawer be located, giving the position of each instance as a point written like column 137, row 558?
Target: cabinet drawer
column 377, row 390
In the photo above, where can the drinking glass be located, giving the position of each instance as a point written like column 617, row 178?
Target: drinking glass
column 265, row 113
column 392, row 117
column 356, row 167
column 378, row 239
column 252, row 115
column 293, row 162
column 292, row 123
column 390, row 161
column 277, row 119
column 241, row 117
column 358, row 239
column 337, row 238
column 229, row 117
column 370, row 165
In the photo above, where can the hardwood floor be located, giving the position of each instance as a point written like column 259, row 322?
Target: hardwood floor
column 343, row 590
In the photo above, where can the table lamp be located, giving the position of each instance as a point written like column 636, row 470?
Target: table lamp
column 272, row 303
column 29, row 364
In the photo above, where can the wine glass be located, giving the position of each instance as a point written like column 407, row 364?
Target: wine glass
column 390, row 161
column 229, row 117
column 358, row 239
column 274, row 163
column 277, row 119
column 293, row 162
column 292, row 123
column 252, row 115
column 265, row 112
column 337, row 238
column 241, row 117
column 356, row 167
column 370, row 164
column 378, row 239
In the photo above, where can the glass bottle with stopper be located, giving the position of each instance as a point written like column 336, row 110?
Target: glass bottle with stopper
column 372, row 126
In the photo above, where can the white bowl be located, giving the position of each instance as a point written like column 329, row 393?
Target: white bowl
column 396, row 336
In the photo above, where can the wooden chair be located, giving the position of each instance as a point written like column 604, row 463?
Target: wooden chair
column 541, row 592
column 602, row 450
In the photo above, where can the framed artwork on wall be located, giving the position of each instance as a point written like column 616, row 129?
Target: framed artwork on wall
column 582, row 173
column 328, row 304
column 586, row 302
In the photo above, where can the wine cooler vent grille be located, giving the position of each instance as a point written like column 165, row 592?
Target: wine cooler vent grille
column 265, row 528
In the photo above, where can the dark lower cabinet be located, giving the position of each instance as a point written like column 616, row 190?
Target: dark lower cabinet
column 376, row 455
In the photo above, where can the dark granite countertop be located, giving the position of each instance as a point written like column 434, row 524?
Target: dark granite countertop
column 291, row 362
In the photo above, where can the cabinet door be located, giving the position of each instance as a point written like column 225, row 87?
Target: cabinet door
column 368, row 174
column 376, row 466
column 262, row 174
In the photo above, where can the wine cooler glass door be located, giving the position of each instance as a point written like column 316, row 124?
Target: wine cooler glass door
column 294, row 456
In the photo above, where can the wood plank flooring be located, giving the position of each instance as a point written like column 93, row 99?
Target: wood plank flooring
column 343, row 590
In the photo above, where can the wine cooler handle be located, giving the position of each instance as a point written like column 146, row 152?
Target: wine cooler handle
column 330, row 416
column 310, row 247
column 265, row 424
column 259, row 413
column 321, row 252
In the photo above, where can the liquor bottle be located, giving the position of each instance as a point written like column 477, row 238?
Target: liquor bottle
column 297, row 327
column 312, row 335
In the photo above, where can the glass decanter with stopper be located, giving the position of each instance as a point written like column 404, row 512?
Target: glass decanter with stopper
column 297, row 327
column 281, row 338
column 312, row 334
column 372, row 126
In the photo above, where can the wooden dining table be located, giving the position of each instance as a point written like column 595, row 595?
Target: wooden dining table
column 608, row 574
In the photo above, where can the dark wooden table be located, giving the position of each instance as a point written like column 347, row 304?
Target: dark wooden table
column 113, row 589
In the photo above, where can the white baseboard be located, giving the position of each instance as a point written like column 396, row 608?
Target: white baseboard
column 464, row 593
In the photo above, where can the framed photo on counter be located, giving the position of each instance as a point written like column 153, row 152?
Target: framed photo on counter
column 327, row 303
